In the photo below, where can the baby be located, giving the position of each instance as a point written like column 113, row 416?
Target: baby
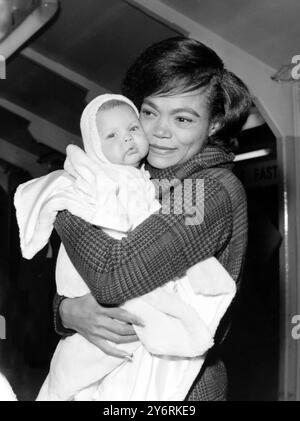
column 107, row 186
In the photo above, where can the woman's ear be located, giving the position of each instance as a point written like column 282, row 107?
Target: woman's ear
column 213, row 128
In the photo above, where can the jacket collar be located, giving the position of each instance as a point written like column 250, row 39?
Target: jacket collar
column 209, row 157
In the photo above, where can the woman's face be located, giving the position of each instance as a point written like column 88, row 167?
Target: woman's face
column 177, row 127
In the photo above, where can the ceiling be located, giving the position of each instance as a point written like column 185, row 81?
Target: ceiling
column 87, row 48
column 99, row 39
column 267, row 29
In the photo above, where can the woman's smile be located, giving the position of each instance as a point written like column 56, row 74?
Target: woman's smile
column 161, row 149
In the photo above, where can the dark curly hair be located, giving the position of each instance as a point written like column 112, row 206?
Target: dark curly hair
column 180, row 65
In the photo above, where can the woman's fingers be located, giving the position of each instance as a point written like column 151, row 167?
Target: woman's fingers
column 114, row 326
column 99, row 324
column 108, row 349
column 115, row 338
column 124, row 316
column 129, row 339
column 89, row 303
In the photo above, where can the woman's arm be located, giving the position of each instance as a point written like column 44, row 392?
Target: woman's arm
column 158, row 250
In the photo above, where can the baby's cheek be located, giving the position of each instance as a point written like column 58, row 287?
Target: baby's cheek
column 146, row 126
column 144, row 140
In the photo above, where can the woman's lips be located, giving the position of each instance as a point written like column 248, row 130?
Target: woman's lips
column 161, row 149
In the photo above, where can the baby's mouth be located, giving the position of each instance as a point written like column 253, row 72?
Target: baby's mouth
column 132, row 151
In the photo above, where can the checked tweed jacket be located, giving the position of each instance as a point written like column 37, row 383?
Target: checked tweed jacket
column 163, row 247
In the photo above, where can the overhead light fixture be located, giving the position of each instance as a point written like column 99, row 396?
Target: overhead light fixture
column 5, row 18
column 20, row 19
column 286, row 73
column 253, row 154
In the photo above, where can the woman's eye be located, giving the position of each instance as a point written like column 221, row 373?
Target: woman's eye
column 184, row 120
column 134, row 128
column 147, row 113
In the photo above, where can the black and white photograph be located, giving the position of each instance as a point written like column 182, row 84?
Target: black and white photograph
column 149, row 203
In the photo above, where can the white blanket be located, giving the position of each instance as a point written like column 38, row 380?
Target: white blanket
column 6, row 392
column 181, row 318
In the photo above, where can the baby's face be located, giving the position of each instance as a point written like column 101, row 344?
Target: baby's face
column 123, row 140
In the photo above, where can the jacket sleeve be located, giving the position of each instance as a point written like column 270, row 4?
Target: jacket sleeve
column 58, row 326
column 160, row 249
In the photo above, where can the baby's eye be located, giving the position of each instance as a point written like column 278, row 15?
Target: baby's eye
column 134, row 128
column 111, row 136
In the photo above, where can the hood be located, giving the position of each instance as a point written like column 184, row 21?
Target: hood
column 90, row 136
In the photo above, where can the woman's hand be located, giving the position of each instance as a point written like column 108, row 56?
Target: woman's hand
column 99, row 324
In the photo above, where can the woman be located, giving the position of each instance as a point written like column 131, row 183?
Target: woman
column 191, row 109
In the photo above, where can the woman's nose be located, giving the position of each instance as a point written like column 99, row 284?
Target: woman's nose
column 162, row 129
